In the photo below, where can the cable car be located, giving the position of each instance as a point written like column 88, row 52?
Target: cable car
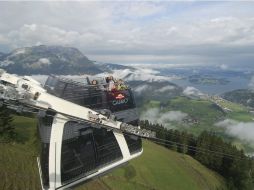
column 73, row 152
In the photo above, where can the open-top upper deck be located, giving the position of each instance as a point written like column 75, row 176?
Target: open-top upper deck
column 95, row 93
column 99, row 82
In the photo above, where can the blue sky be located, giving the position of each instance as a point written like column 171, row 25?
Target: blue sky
column 193, row 32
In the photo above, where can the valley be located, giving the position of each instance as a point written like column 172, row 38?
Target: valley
column 198, row 115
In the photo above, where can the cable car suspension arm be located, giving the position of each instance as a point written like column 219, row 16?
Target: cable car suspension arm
column 24, row 94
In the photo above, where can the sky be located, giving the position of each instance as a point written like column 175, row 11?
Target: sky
column 154, row 32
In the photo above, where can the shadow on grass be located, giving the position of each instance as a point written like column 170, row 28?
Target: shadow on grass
column 129, row 172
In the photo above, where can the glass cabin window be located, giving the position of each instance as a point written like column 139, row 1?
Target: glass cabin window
column 85, row 150
column 134, row 143
column 44, row 128
column 107, row 147
column 51, row 83
column 78, row 156
column 44, row 161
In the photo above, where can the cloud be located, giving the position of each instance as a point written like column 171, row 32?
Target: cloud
column 144, row 87
column 251, row 84
column 146, row 75
column 154, row 115
column 192, row 91
column 139, row 9
column 3, row 39
column 44, row 61
column 135, row 32
column 161, row 66
column 19, row 51
column 139, row 74
column 141, row 88
column 166, row 88
column 223, row 67
column 241, row 130
column 34, row 34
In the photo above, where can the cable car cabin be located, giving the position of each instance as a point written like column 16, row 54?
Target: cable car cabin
column 87, row 151
column 120, row 102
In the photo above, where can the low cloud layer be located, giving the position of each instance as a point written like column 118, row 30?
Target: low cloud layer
column 141, row 88
column 166, row 88
column 144, row 87
column 137, row 74
column 241, row 130
column 140, row 74
column 251, row 84
column 192, row 91
column 224, row 67
column 154, row 115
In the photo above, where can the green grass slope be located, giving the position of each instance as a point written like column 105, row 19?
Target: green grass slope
column 18, row 166
column 205, row 112
column 157, row 168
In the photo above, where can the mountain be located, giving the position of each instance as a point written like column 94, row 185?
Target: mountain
column 241, row 96
column 157, row 168
column 48, row 60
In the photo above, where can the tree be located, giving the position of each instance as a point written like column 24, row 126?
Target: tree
column 6, row 127
column 213, row 152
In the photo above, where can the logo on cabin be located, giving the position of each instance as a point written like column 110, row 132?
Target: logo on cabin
column 120, row 101
column 120, row 96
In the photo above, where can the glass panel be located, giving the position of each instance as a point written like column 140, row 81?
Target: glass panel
column 75, row 93
column 51, row 82
column 134, row 143
column 108, row 150
column 44, row 161
column 59, row 87
column 78, row 153
column 92, row 96
column 78, row 157
column 44, row 128
column 85, row 150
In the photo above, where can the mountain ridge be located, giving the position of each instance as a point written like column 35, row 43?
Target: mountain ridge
column 240, row 96
column 44, row 59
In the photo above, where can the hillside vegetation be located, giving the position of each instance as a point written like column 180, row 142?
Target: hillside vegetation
column 241, row 96
column 160, row 168
column 202, row 116
column 204, row 112
column 157, row 168
column 212, row 151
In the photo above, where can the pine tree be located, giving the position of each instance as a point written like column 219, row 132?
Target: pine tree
column 6, row 127
column 237, row 169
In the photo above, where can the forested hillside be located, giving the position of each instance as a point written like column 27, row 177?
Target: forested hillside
column 212, row 151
